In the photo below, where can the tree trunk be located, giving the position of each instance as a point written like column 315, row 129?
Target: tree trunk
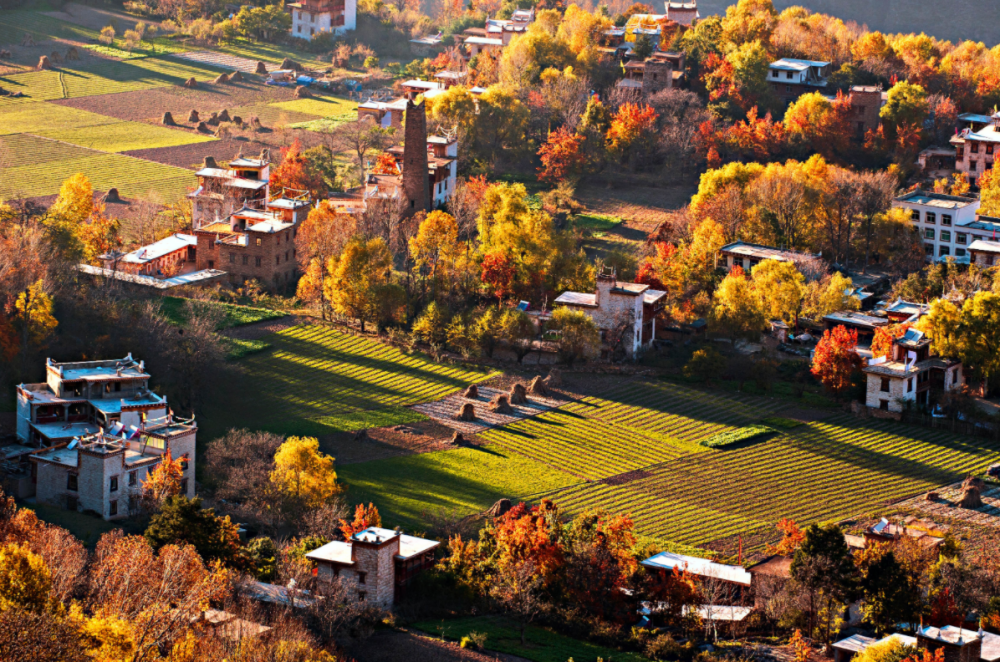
column 523, row 628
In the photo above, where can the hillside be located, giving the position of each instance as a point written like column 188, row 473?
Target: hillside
column 947, row 20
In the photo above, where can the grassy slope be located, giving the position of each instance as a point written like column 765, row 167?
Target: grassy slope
column 174, row 309
column 543, row 645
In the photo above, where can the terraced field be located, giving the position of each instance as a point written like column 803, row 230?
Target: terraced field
column 125, row 136
column 317, row 381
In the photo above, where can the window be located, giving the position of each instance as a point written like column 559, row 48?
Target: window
column 133, row 478
column 945, row 235
column 972, row 166
column 960, row 238
column 788, row 88
column 788, row 75
column 258, row 241
column 107, row 387
column 930, row 217
column 114, row 483
column 232, row 257
column 989, row 260
column 915, row 215
column 361, row 577
column 113, row 509
column 945, row 219
column 959, row 252
column 184, row 486
column 929, row 249
column 279, row 239
column 910, row 384
column 312, row 31
column 258, row 261
column 775, row 73
column 118, row 386
column 885, row 385
column 184, row 464
column 200, row 206
column 286, row 256
column 362, row 595
column 71, row 482
column 944, row 251
column 959, row 153
column 883, row 405
column 973, row 148
column 246, row 259
column 928, row 234
column 211, row 264
column 989, row 149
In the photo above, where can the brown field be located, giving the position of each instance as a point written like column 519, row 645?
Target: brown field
column 396, row 441
column 193, row 156
column 643, row 208
column 389, row 646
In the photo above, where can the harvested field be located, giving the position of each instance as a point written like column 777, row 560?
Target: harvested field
column 22, row 149
column 642, row 208
column 193, row 155
column 318, row 106
column 270, row 114
column 383, row 443
column 42, row 116
column 443, row 411
column 125, row 136
column 224, row 61
column 93, row 18
column 35, row 85
column 946, row 506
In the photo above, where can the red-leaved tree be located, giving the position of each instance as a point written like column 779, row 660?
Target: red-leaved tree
column 295, row 172
column 836, row 360
column 498, row 274
column 561, row 156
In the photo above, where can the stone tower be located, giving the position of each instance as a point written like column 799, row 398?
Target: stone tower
column 656, row 75
column 416, row 182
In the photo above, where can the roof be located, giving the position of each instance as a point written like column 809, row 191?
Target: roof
column 242, row 162
column 939, row 200
column 988, row 134
column 193, row 278
column 64, row 456
column 288, row 203
column 776, row 566
column 906, row 307
column 213, row 172
column 115, row 405
column 975, row 117
column 422, row 84
column 761, row 251
column 409, row 546
column 230, row 625
column 484, row 41
column 792, row 64
column 949, row 634
column 126, row 368
column 985, row 246
column 252, row 184
column 577, row 299
column 652, row 296
column 913, row 338
column 718, row 613
column 854, row 318
column 270, row 226
column 333, row 552
column 218, row 226
column 698, row 566
column 161, row 248
column 891, row 369
column 273, row 593
column 855, row 643
column 991, row 647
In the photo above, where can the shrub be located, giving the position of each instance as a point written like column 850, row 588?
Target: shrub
column 371, row 62
column 705, row 364
column 733, row 436
column 663, row 647
column 432, row 325
column 474, row 641
column 783, row 423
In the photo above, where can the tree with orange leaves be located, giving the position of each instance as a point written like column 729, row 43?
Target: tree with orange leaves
column 791, row 538
column 385, row 164
column 296, row 173
column 821, row 124
column 631, row 133
column 835, row 361
column 497, row 275
column 803, row 650
column 756, row 137
column 164, row 480
column 363, row 518
column 562, row 157
column 884, row 337
column 600, row 559
column 99, row 235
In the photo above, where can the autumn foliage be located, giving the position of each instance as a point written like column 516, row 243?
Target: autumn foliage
column 835, row 361
column 364, row 517
column 561, row 155
column 295, row 172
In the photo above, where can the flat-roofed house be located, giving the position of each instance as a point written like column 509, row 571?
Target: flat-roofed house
column 943, row 221
column 169, row 255
column 846, row 649
column 624, row 312
column 984, row 253
column 957, row 644
column 909, row 374
column 975, row 148
column 375, row 564
column 311, row 18
column 790, row 78
column 221, row 190
column 748, row 256
column 864, row 324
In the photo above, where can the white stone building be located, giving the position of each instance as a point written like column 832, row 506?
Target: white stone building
column 374, row 564
column 909, row 374
column 313, row 17
column 624, row 312
column 947, row 223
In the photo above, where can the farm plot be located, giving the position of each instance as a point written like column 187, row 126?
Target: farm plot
column 444, row 411
column 34, row 85
column 946, row 505
column 821, row 471
column 22, row 149
column 224, row 61
column 124, row 136
column 42, row 116
column 13, row 25
column 317, row 380
column 319, row 107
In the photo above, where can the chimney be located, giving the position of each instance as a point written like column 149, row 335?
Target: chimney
column 210, row 162
column 416, row 180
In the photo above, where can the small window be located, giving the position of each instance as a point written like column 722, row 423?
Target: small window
column 929, row 233
column 361, row 577
column 257, row 261
column 232, row 258
column 113, row 508
column 883, row 405
column 788, row 75
column 959, row 153
column 910, row 384
column 362, row 595
column 989, row 149
column 71, row 482
column 946, row 219
column 258, row 241
column 973, row 148
column 211, row 264
column 973, row 166
column 133, row 478
column 114, row 483
column 775, row 73
column 788, row 88
column 184, row 486
column 959, row 252
column 885, row 385
column 944, row 251
column 184, row 464
column 961, row 238
column 945, row 235
column 930, row 217
column 200, row 206
column 277, row 259
column 118, row 386
column 915, row 215
column 246, row 259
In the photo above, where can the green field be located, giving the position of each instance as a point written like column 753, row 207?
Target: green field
column 325, row 107
column 543, row 645
column 125, row 136
column 174, row 309
column 317, row 380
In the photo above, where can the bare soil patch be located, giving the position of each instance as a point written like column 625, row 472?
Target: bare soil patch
column 444, row 411
column 396, row 441
column 643, row 208
column 95, row 18
column 260, row 329
column 394, row 646
column 193, row 156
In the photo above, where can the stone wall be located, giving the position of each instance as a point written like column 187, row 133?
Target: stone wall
column 379, row 564
column 874, row 395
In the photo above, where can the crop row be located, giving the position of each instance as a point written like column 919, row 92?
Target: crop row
column 133, row 177
column 121, row 136
column 23, row 149
column 44, row 116
column 818, row 472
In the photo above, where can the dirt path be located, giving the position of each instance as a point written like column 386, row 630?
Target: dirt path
column 259, row 329
column 393, row 646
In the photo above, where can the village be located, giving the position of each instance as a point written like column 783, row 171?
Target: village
column 503, row 331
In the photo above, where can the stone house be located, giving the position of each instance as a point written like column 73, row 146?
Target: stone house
column 748, row 256
column 104, row 473
column 660, row 71
column 625, row 313
column 866, row 104
column 375, row 564
column 975, row 147
column 313, row 17
column 959, row 645
column 984, row 253
column 244, row 183
column 170, row 255
column 909, row 374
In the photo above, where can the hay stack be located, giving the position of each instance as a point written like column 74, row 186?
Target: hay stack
column 112, row 196
column 466, row 413
column 72, row 53
column 361, row 435
column 237, row 120
column 193, row 116
column 932, row 496
column 191, row 83
column 501, row 405
column 224, row 116
column 302, row 92
column 55, row 57
column 221, row 79
column 518, row 396
column 214, row 120
column 554, row 378
column 970, row 498
column 27, row 40
column 288, row 63
column 457, row 439
column 44, row 64
column 472, row 393
column 538, row 386
column 261, row 69
column 255, row 122
column 500, row 508
column 236, row 77
column 168, row 119
column 973, row 481
column 5, row 54
column 210, row 162
column 203, row 128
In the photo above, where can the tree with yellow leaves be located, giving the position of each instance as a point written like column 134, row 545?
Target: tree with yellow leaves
column 70, row 210
column 435, row 249
column 736, row 307
column 360, row 282
column 99, row 235
column 782, row 289
column 303, row 473
column 33, row 315
column 25, row 580
column 164, row 480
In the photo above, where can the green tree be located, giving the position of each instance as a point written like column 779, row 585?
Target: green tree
column 828, row 295
column 519, row 332
column 262, row 554
column 578, row 335
column 432, row 325
column 736, row 307
column 782, row 289
column 822, row 565
column 643, row 47
column 487, row 331
column 183, row 520
column 906, row 104
column 263, row 23
column 705, row 365
column 890, row 594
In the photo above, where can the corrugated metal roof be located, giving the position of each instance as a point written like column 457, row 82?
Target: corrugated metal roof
column 700, row 567
column 577, row 299
column 160, row 248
